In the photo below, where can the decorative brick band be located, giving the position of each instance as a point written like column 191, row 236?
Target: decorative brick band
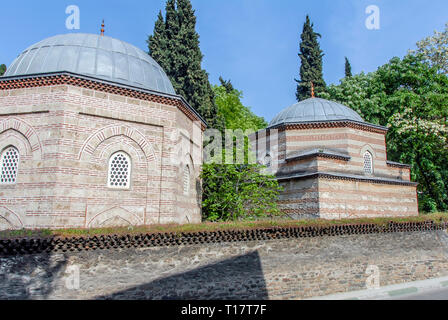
column 33, row 246
column 67, row 78
column 333, row 124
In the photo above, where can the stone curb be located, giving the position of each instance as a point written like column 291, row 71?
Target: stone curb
column 390, row 292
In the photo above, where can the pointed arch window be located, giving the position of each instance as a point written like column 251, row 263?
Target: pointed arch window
column 10, row 163
column 368, row 163
column 119, row 176
column 186, row 180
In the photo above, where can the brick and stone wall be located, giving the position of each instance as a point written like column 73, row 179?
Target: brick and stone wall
column 294, row 268
column 66, row 135
column 352, row 142
column 329, row 198
column 321, row 168
column 299, row 198
column 356, row 199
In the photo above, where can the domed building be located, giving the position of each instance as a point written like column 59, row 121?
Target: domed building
column 92, row 134
column 332, row 164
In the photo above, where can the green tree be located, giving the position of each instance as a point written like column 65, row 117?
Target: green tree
column 310, row 63
column 238, row 192
column 2, row 69
column 235, row 114
column 348, row 68
column 411, row 98
column 158, row 43
column 175, row 46
column 435, row 50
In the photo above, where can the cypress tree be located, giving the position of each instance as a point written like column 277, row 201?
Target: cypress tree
column 348, row 68
column 175, row 46
column 2, row 69
column 227, row 84
column 311, row 63
column 158, row 44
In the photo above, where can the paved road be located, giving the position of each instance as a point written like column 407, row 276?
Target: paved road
column 436, row 294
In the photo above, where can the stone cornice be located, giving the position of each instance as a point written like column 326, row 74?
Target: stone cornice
column 333, row 124
column 319, row 154
column 340, row 176
column 398, row 165
column 69, row 78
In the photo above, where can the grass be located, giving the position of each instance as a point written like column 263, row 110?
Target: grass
column 211, row 226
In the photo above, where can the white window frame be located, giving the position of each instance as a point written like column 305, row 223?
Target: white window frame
column 2, row 163
column 109, row 171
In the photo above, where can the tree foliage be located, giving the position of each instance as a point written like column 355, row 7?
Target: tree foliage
column 235, row 114
column 230, row 191
column 411, row 98
column 434, row 49
column 175, row 46
column 310, row 63
column 238, row 192
column 2, row 69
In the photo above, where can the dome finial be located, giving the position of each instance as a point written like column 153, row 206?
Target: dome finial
column 312, row 89
column 102, row 28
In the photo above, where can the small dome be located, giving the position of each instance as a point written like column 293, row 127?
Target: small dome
column 315, row 110
column 95, row 56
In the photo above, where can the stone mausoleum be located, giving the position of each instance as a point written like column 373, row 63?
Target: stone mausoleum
column 88, row 134
column 92, row 134
column 334, row 165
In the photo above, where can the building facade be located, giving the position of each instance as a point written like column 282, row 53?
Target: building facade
column 332, row 165
column 92, row 134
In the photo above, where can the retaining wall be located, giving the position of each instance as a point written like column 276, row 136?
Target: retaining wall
column 283, row 268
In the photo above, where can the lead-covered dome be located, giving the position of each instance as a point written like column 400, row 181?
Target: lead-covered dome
column 315, row 110
column 95, row 56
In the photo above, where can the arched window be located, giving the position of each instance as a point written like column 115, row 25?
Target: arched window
column 368, row 163
column 186, row 179
column 119, row 171
column 10, row 163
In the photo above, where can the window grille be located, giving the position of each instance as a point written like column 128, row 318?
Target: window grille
column 119, row 171
column 368, row 164
column 186, row 179
column 10, row 163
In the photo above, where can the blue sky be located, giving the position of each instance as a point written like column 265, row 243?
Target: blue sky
column 252, row 42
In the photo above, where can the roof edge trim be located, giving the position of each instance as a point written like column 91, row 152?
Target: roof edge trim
column 106, row 82
column 336, row 176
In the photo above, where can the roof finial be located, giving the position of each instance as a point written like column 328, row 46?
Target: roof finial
column 102, row 28
column 312, row 89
